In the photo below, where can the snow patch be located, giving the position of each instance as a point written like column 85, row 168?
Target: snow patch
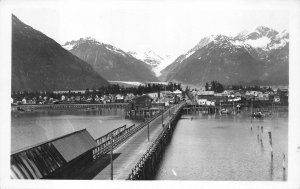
column 260, row 42
column 166, row 62
column 189, row 54
column 111, row 48
column 281, row 44
column 156, row 61
column 69, row 46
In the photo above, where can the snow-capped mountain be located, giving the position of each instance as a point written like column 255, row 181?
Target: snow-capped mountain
column 263, row 37
column 156, row 61
column 111, row 62
column 91, row 41
column 259, row 55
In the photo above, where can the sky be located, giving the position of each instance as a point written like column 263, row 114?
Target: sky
column 165, row 27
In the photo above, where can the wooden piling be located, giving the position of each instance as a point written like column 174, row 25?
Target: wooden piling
column 271, row 145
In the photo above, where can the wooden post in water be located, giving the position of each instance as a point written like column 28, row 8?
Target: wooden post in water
column 258, row 133
column 270, row 140
column 148, row 132
column 111, row 157
column 284, row 167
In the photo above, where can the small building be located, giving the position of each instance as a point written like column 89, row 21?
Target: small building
column 202, row 102
column 129, row 97
column 143, row 101
column 210, row 103
column 208, row 95
column 24, row 101
column 178, row 93
column 228, row 92
column 153, row 95
column 237, row 95
column 119, row 98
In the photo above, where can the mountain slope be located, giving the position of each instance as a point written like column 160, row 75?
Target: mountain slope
column 41, row 64
column 156, row 61
column 111, row 62
column 260, row 56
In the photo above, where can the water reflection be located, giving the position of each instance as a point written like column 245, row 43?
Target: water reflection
column 214, row 147
column 30, row 128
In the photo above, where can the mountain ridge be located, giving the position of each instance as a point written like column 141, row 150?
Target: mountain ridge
column 41, row 64
column 111, row 62
column 224, row 58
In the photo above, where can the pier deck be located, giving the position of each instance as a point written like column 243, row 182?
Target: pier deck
column 131, row 151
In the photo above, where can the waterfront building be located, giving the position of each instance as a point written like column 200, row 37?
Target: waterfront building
column 143, row 101
column 119, row 98
column 208, row 95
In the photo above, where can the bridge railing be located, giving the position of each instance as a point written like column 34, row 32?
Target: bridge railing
column 121, row 137
column 155, row 146
column 106, row 137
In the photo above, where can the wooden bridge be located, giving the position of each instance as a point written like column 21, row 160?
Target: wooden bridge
column 79, row 156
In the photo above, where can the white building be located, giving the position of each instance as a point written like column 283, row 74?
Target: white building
column 153, row 95
column 24, row 101
column 177, row 92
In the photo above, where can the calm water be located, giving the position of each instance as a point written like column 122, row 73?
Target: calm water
column 30, row 128
column 224, row 148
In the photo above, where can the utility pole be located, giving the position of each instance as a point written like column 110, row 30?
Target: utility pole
column 111, row 157
column 162, row 117
column 162, row 114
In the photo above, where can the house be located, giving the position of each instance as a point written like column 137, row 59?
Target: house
column 24, row 101
column 258, row 93
column 129, row 97
column 119, row 98
column 228, row 92
column 237, row 95
column 106, row 99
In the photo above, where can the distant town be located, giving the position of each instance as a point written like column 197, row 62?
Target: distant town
column 212, row 94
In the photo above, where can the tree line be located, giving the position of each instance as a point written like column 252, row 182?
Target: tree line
column 104, row 90
column 218, row 87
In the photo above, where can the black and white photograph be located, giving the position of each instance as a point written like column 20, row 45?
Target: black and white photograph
column 108, row 93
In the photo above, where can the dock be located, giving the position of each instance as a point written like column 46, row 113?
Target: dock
column 79, row 156
column 132, row 150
